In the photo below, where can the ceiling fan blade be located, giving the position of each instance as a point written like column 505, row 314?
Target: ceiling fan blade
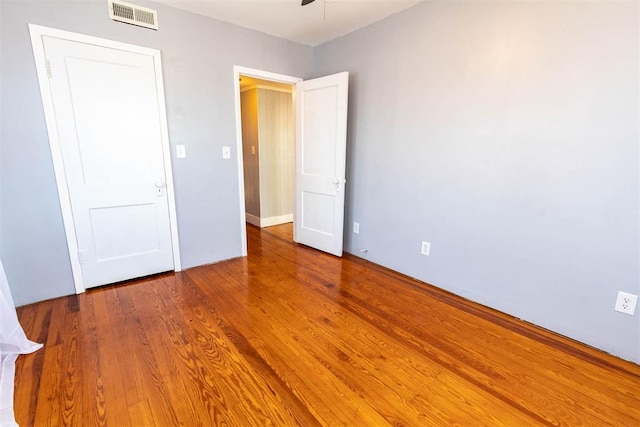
column 306, row 2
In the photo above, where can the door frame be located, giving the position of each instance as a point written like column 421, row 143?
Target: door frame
column 37, row 33
column 264, row 75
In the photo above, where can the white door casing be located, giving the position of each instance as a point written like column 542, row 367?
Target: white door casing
column 321, row 134
column 104, row 107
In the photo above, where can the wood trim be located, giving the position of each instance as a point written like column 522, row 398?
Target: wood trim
column 268, row 222
column 37, row 44
column 166, row 152
column 276, row 220
column 253, row 220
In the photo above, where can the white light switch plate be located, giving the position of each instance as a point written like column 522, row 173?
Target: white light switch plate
column 226, row 152
column 181, row 152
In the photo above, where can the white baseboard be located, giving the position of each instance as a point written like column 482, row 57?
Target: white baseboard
column 275, row 220
column 268, row 222
column 253, row 220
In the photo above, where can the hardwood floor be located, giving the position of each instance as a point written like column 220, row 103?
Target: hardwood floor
column 291, row 336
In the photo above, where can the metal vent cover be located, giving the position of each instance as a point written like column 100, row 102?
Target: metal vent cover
column 133, row 14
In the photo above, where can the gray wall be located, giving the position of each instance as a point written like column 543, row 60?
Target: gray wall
column 198, row 56
column 506, row 134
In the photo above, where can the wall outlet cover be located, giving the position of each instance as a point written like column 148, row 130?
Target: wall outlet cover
column 426, row 248
column 626, row 303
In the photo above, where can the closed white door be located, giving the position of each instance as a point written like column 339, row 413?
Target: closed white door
column 321, row 123
column 108, row 124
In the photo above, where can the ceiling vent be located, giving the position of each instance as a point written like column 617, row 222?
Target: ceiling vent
column 132, row 14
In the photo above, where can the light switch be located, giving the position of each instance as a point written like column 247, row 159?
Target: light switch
column 253, row 149
column 181, row 152
column 226, row 152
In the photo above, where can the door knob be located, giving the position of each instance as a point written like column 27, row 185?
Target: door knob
column 159, row 188
column 336, row 182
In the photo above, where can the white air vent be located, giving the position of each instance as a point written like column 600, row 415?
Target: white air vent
column 132, row 14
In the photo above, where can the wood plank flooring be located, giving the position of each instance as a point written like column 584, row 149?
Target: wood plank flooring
column 290, row 336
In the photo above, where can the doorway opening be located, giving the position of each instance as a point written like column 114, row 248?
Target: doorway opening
column 268, row 151
column 320, row 106
column 266, row 132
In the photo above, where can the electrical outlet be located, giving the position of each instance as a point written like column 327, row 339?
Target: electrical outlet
column 426, row 248
column 626, row 303
column 356, row 227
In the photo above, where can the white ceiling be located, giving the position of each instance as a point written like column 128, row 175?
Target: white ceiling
column 313, row 24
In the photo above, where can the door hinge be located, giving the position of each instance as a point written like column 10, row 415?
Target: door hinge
column 82, row 256
column 48, row 64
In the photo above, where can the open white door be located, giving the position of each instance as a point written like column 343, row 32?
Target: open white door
column 108, row 124
column 321, row 139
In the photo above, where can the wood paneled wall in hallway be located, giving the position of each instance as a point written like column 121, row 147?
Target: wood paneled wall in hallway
column 269, row 154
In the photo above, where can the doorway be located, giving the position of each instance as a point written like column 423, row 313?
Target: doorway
column 320, row 106
column 268, row 150
column 248, row 157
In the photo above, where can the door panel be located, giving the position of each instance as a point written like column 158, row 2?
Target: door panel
column 321, row 121
column 108, row 117
column 133, row 233
column 108, row 123
column 319, row 212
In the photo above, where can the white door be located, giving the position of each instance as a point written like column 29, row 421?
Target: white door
column 108, row 123
column 321, row 123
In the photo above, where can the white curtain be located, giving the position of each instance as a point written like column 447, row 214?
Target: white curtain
column 12, row 343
